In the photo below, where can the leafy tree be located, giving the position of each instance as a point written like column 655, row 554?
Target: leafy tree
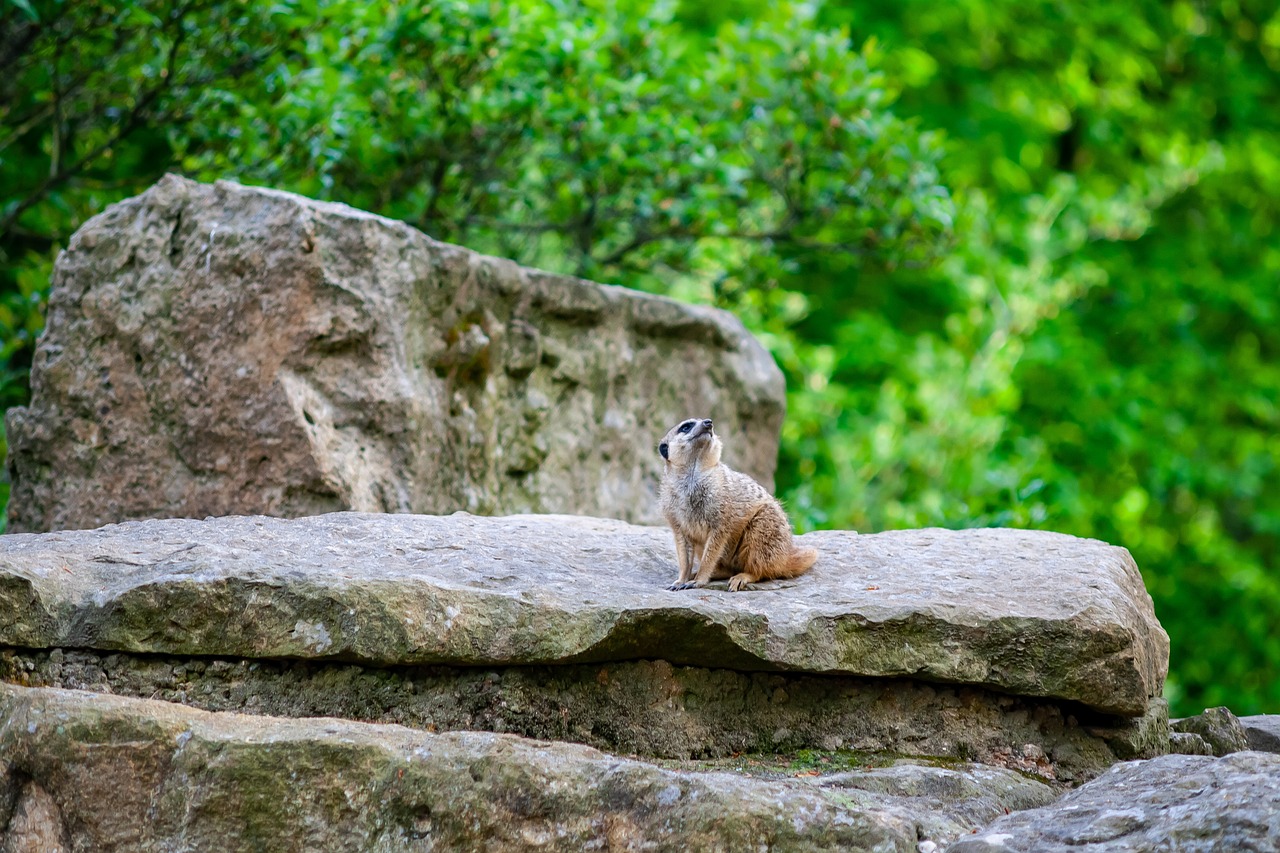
column 1101, row 354
column 601, row 141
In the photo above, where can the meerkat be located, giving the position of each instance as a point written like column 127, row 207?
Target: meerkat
column 725, row 519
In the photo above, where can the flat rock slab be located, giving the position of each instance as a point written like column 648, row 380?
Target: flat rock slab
column 1024, row 612
column 1185, row 803
column 88, row 771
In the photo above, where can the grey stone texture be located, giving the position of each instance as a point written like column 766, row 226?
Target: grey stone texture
column 1188, row 743
column 1263, row 732
column 92, row 772
column 229, row 350
column 1023, row 612
column 1183, row 803
column 1217, row 727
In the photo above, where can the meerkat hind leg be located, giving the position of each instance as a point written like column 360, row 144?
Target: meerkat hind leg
column 765, row 546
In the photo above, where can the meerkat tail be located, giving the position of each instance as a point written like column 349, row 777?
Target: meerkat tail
column 799, row 562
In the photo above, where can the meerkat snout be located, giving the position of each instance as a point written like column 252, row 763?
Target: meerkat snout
column 688, row 439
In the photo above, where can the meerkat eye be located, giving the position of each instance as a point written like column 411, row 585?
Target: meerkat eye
column 686, row 426
column 662, row 448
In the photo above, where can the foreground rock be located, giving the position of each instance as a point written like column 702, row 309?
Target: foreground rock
column 1263, row 732
column 1190, row 804
column 95, row 772
column 219, row 349
column 1024, row 612
column 947, row 803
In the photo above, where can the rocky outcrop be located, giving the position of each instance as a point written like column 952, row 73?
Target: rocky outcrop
column 1188, row 743
column 1190, row 804
column 106, row 773
column 1024, row 649
column 221, row 350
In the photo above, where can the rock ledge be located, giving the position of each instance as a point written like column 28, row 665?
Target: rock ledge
column 1029, row 613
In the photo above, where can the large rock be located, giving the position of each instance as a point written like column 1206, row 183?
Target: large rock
column 219, row 349
column 87, row 771
column 1024, row 612
column 1185, row 803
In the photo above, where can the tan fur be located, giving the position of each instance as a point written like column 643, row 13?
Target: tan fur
column 725, row 521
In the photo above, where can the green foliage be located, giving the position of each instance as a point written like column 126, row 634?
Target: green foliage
column 1101, row 353
column 1079, row 332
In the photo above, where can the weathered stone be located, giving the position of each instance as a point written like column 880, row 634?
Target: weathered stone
column 1187, row 743
column 948, row 803
column 1191, row 804
column 1217, row 727
column 1263, row 732
column 1023, row 612
column 646, row 708
column 220, row 349
column 130, row 774
column 35, row 825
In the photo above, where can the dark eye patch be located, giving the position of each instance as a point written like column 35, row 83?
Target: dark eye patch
column 686, row 426
column 662, row 448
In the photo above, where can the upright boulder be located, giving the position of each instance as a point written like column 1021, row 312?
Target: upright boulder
column 223, row 350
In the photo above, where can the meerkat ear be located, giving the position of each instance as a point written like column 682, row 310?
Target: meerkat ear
column 662, row 448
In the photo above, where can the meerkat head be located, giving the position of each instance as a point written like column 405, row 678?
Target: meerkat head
column 690, row 442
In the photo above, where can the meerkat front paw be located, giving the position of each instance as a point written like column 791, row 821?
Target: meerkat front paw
column 687, row 585
column 740, row 582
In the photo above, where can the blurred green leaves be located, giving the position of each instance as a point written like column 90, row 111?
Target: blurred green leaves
column 1107, row 319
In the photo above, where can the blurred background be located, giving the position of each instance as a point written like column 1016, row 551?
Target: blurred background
column 1019, row 260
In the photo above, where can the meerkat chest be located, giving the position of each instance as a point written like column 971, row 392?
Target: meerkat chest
column 699, row 502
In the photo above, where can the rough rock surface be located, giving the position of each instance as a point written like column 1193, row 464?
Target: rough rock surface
column 1024, row 612
column 647, row 708
column 1263, row 732
column 1217, row 727
column 220, row 349
column 1188, row 743
column 1184, row 803
column 115, row 774
column 947, row 802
